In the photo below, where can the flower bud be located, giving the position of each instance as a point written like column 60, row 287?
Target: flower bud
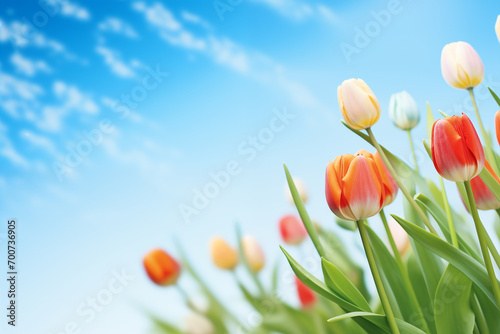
column 223, row 255
column 497, row 126
column 485, row 200
column 403, row 111
column 358, row 105
column 400, row 237
column 196, row 323
column 461, row 66
column 354, row 187
column 253, row 253
column 457, row 152
column 292, row 230
column 497, row 27
column 161, row 268
column 301, row 188
column 306, row 295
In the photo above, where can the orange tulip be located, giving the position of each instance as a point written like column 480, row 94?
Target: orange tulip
column 497, row 126
column 457, row 152
column 161, row 268
column 390, row 186
column 485, row 200
column 292, row 230
column 354, row 187
column 223, row 255
column 306, row 295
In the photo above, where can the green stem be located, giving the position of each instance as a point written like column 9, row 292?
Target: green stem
column 186, row 298
column 402, row 269
column 480, row 320
column 376, row 277
column 401, row 186
column 447, row 208
column 481, row 234
column 412, row 150
column 490, row 155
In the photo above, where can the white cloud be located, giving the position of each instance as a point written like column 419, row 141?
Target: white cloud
column 115, row 25
column 193, row 18
column 39, row 141
column 11, row 86
column 74, row 10
column 290, row 8
column 112, row 59
column 27, row 66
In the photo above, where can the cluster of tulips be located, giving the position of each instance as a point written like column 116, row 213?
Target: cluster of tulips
column 434, row 271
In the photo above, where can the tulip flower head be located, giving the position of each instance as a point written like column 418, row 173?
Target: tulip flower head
column 400, row 237
column 457, row 152
column 223, row 255
column 292, row 230
column 354, row 186
column 390, row 186
column 253, row 253
column 497, row 27
column 497, row 126
column 485, row 200
column 196, row 323
column 403, row 111
column 301, row 188
column 306, row 295
column 358, row 105
column 161, row 268
column 461, row 66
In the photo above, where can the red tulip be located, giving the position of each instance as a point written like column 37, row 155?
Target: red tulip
column 497, row 126
column 390, row 186
column 161, row 268
column 457, row 152
column 485, row 200
column 306, row 295
column 354, row 187
column 292, row 230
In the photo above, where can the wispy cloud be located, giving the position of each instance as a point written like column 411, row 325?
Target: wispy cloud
column 117, row 26
column 74, row 10
column 299, row 10
column 113, row 59
column 27, row 66
column 39, row 141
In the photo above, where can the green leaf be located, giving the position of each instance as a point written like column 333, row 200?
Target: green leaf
column 404, row 327
column 311, row 230
column 495, row 96
column 338, row 282
column 462, row 261
column 452, row 310
column 420, row 287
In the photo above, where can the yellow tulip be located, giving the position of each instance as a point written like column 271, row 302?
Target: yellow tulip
column 253, row 253
column 223, row 255
column 358, row 105
column 461, row 66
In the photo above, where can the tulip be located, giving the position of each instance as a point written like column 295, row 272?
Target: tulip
column 301, row 188
column 403, row 111
column 161, row 268
column 457, row 152
column 292, row 230
column 306, row 295
column 196, row 323
column 461, row 66
column 358, row 105
column 223, row 255
column 485, row 200
column 354, row 187
column 400, row 237
column 497, row 27
column 497, row 126
column 390, row 186
column 253, row 253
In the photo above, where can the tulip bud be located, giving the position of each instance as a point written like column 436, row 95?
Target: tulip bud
column 161, row 268
column 400, row 237
column 403, row 111
column 196, row 323
column 292, row 230
column 358, row 105
column 306, row 295
column 485, row 200
column 354, row 187
column 461, row 66
column 253, row 253
column 497, row 27
column 301, row 188
column 497, row 126
column 457, row 152
column 223, row 255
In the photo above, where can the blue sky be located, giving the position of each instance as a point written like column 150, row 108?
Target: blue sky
column 66, row 71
